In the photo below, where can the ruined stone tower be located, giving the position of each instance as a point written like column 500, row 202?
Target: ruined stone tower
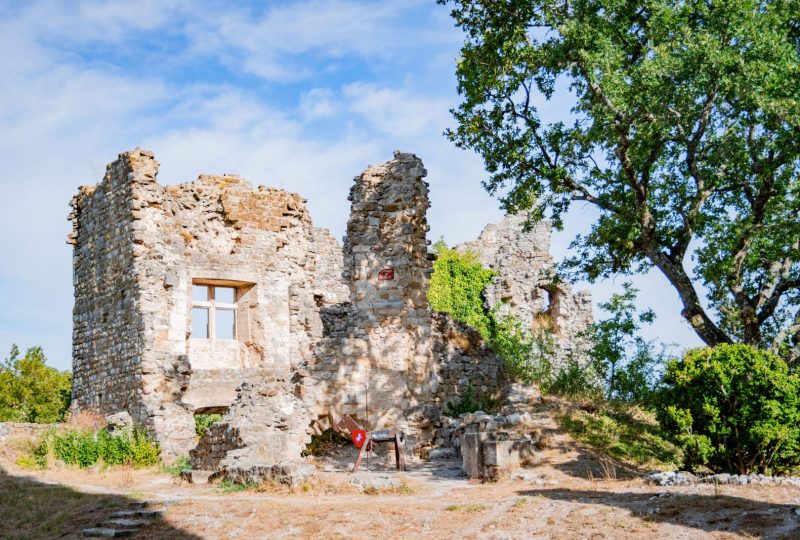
column 183, row 292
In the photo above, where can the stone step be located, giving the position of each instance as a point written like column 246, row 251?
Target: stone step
column 128, row 522
column 143, row 513
column 108, row 532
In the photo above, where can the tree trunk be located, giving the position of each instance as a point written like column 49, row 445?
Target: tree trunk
column 692, row 310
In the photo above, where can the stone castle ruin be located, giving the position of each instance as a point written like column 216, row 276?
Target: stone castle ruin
column 214, row 296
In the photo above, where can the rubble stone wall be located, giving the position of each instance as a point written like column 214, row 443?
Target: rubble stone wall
column 108, row 329
column 527, row 286
column 385, row 347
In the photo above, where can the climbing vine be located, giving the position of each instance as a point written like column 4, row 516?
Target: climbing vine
column 456, row 287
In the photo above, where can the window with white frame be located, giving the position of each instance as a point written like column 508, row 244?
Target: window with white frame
column 213, row 312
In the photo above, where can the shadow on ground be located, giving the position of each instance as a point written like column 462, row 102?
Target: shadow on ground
column 31, row 509
column 709, row 513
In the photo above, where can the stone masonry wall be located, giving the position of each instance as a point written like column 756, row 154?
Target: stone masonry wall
column 108, row 329
column 320, row 331
column 385, row 346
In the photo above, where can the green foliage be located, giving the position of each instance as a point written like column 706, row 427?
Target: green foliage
column 469, row 403
column 203, row 421
column 181, row 464
column 31, row 391
column 629, row 365
column 456, row 287
column 733, row 408
column 86, row 447
column 324, row 443
column 682, row 134
column 627, row 433
column 226, row 486
column 573, row 381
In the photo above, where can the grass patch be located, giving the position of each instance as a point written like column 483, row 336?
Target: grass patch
column 226, row 486
column 466, row 508
column 401, row 489
column 629, row 434
column 181, row 464
column 32, row 510
column 520, row 502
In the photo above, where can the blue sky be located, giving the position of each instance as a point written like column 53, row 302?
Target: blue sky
column 297, row 95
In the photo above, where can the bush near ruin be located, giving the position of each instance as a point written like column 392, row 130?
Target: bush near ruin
column 733, row 408
column 86, row 447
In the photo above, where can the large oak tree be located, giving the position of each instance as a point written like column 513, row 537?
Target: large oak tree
column 684, row 135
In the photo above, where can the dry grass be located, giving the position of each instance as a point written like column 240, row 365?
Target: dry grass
column 86, row 420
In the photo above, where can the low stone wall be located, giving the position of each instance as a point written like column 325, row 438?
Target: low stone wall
column 464, row 360
column 684, row 478
column 23, row 430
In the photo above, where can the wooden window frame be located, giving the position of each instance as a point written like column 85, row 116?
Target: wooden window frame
column 212, row 305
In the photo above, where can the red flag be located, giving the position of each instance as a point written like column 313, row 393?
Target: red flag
column 358, row 436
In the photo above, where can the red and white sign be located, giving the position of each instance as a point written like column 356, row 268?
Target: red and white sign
column 358, row 436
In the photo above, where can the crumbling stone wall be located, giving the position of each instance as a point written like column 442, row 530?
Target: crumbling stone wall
column 138, row 249
column 527, row 286
column 262, row 435
column 463, row 361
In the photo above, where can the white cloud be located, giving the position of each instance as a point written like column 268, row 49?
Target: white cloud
column 318, row 103
column 300, row 40
column 398, row 112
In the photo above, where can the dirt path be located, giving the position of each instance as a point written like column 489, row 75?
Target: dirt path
column 569, row 495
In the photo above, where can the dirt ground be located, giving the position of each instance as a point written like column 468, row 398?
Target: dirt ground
column 571, row 494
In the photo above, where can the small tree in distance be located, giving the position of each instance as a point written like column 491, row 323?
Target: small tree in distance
column 629, row 364
column 30, row 390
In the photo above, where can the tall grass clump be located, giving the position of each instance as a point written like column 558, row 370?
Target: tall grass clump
column 87, row 447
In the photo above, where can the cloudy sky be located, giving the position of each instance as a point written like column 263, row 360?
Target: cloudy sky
column 298, row 95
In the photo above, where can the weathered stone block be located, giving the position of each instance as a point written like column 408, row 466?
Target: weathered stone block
column 472, row 454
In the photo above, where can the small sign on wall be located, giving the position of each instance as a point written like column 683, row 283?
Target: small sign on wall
column 387, row 274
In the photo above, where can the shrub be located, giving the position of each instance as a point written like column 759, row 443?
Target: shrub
column 470, row 404
column 31, row 391
column 203, row 421
column 86, row 447
column 181, row 464
column 516, row 347
column 325, row 443
column 574, row 380
column 733, row 408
